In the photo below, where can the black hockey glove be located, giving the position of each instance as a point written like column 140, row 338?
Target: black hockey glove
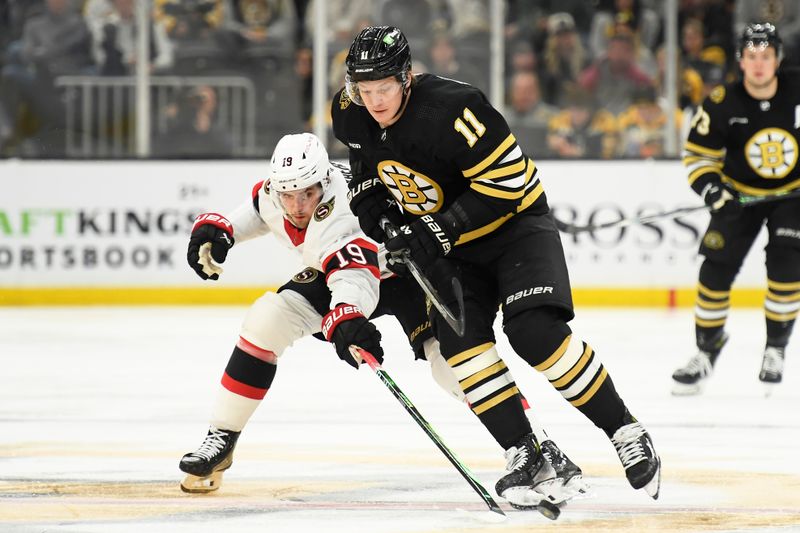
column 370, row 201
column 345, row 326
column 426, row 239
column 721, row 199
column 212, row 237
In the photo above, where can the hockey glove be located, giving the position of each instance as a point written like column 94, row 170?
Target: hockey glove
column 426, row 239
column 345, row 326
column 721, row 199
column 370, row 201
column 212, row 237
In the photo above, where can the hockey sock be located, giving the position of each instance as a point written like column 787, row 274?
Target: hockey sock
column 781, row 306
column 244, row 384
column 712, row 304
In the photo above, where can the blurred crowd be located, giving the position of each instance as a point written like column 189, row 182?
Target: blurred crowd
column 584, row 79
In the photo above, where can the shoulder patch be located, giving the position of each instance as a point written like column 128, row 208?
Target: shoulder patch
column 717, row 94
column 324, row 210
column 714, row 240
column 344, row 99
column 266, row 186
column 306, row 276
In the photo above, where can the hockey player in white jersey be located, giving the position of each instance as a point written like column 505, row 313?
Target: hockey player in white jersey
column 303, row 204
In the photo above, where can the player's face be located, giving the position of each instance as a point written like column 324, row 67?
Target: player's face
column 382, row 98
column 758, row 65
column 299, row 205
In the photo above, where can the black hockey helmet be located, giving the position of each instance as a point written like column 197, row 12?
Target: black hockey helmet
column 377, row 52
column 760, row 35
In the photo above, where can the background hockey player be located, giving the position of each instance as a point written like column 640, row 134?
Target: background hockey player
column 303, row 205
column 472, row 204
column 744, row 139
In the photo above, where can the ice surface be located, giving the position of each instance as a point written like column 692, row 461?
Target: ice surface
column 97, row 405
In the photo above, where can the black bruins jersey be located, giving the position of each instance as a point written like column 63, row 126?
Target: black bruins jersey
column 748, row 143
column 449, row 143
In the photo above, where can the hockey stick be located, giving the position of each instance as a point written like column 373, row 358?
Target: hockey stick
column 744, row 201
column 359, row 353
column 456, row 323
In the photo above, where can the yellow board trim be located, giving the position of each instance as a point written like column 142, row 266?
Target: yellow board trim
column 658, row 297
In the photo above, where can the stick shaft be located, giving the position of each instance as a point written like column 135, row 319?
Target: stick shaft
column 426, row 427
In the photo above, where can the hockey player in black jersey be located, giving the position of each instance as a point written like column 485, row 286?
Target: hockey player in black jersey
column 743, row 139
column 473, row 207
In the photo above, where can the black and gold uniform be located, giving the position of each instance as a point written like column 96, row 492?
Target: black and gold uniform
column 462, row 182
column 745, row 145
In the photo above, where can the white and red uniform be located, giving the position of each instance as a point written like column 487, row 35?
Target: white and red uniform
column 332, row 244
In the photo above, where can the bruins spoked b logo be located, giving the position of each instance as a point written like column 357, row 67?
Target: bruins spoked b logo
column 417, row 193
column 772, row 153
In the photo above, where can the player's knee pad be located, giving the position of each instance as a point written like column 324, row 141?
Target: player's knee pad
column 443, row 375
column 536, row 334
column 783, row 263
column 717, row 275
column 275, row 321
column 483, row 377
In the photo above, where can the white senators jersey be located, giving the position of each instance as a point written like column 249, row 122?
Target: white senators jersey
column 333, row 242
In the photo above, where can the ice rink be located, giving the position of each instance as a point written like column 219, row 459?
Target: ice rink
column 98, row 405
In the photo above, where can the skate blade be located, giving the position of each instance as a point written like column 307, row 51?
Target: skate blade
column 575, row 487
column 683, row 389
column 653, row 487
column 201, row 485
column 530, row 497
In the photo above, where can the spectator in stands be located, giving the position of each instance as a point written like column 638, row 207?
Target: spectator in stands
column 194, row 28
column 526, row 108
column 114, row 38
column 193, row 131
column 564, row 57
column 642, row 127
column 527, row 115
column 578, row 131
column 614, row 77
column 529, row 19
column 695, row 54
column 260, row 27
column 644, row 22
column 690, row 83
column 54, row 43
column 443, row 61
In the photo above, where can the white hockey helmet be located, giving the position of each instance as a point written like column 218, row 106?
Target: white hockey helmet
column 298, row 162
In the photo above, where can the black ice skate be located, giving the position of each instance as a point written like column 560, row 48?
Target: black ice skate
column 568, row 474
column 635, row 449
column 691, row 378
column 204, row 467
column 772, row 367
column 530, row 479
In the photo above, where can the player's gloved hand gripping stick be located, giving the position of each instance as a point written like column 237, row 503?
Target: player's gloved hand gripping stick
column 743, row 200
column 404, row 257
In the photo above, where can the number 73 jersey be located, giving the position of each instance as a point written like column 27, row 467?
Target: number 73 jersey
column 749, row 143
column 449, row 143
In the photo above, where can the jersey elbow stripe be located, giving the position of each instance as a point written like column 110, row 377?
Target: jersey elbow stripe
column 693, row 176
column 502, row 171
column 497, row 154
column 716, row 153
column 374, row 270
column 526, row 202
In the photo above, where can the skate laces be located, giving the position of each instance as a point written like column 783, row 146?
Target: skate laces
column 627, row 441
column 215, row 441
column 773, row 360
column 516, row 458
column 699, row 364
column 553, row 455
